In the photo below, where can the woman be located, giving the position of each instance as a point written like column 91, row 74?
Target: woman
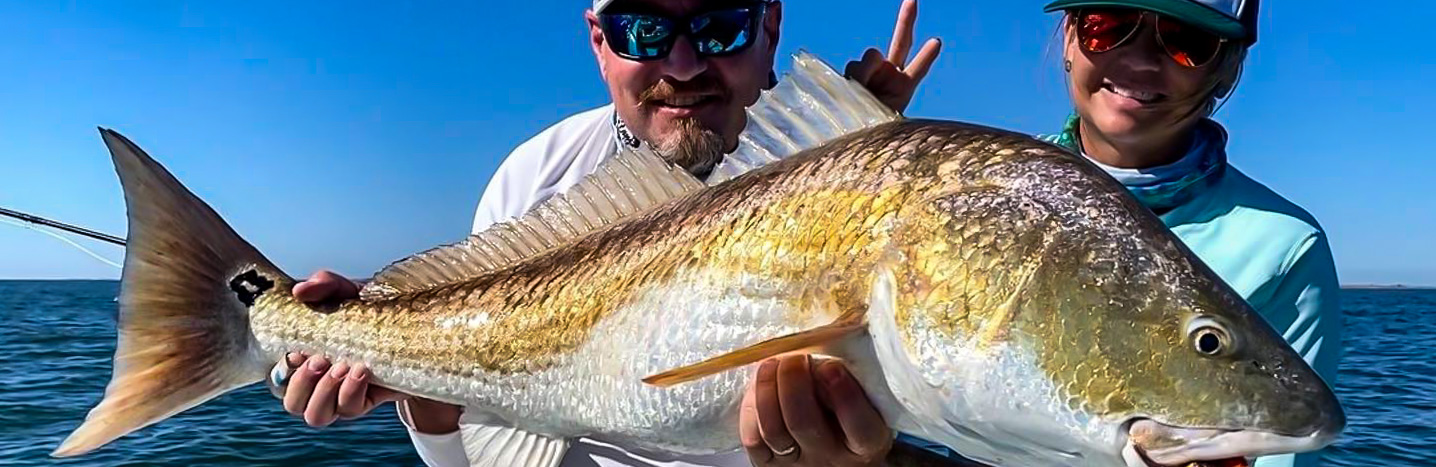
column 1145, row 77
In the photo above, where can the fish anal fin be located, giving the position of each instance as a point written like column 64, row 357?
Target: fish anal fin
column 502, row 446
column 846, row 325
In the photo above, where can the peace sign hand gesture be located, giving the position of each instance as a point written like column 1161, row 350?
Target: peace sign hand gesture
column 892, row 79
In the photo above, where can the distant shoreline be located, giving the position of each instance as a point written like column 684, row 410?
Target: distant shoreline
column 14, row 279
column 1343, row 286
column 1387, row 287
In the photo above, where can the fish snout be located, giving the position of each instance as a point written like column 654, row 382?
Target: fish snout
column 1305, row 405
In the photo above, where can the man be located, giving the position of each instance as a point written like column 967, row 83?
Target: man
column 680, row 74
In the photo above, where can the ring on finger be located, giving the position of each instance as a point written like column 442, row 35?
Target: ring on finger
column 786, row 452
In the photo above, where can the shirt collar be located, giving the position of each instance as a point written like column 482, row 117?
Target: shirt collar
column 1165, row 187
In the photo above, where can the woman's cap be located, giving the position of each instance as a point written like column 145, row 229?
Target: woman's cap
column 1232, row 19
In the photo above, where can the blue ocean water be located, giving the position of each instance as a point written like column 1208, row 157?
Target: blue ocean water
column 58, row 339
column 56, row 345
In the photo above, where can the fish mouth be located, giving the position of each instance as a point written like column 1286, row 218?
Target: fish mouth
column 1134, row 456
column 1153, row 444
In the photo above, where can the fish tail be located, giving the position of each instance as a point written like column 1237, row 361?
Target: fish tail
column 185, row 293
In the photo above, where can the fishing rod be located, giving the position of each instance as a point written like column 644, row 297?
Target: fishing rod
column 77, row 230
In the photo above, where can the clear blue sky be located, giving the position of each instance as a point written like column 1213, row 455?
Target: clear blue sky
column 349, row 134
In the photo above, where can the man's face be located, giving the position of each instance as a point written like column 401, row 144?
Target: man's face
column 688, row 106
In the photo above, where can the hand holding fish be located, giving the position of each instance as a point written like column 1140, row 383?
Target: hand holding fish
column 892, row 79
column 322, row 393
column 786, row 419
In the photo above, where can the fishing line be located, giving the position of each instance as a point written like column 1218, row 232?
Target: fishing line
column 66, row 240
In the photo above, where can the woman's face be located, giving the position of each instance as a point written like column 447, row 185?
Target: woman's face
column 1136, row 90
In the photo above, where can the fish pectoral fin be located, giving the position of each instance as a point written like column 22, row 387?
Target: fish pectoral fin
column 849, row 323
column 502, row 446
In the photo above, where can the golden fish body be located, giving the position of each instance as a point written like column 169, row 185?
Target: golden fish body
column 576, row 329
column 991, row 292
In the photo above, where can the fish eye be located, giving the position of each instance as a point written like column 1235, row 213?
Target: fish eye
column 1209, row 337
column 1208, row 342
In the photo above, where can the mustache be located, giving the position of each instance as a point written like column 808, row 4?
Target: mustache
column 665, row 89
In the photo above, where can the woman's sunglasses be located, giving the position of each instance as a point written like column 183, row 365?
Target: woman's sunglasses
column 1101, row 30
column 650, row 37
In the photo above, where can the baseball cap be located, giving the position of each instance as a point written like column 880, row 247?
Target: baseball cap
column 599, row 5
column 1232, row 19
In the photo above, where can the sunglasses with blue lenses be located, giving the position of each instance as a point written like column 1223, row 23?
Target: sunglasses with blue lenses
column 727, row 31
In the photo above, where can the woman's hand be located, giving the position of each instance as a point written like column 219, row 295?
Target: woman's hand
column 892, row 79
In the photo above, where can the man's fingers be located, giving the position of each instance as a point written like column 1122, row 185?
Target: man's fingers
column 770, row 410
column 282, row 372
column 325, row 286
column 924, row 60
column 354, row 393
column 322, row 403
column 317, row 288
column 748, row 431
column 864, row 431
column 902, row 33
column 801, row 411
column 301, row 384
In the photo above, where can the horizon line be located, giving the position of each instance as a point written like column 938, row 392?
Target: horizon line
column 1357, row 286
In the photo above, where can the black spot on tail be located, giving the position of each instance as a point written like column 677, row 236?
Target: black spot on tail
column 249, row 286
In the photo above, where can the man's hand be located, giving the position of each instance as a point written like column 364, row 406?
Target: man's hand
column 325, row 287
column 795, row 413
column 322, row 392
column 892, row 79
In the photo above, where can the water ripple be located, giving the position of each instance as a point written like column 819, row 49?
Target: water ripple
column 59, row 339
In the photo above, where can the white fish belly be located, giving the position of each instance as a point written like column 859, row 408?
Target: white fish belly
column 597, row 391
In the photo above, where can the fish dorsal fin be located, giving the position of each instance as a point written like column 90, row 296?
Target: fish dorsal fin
column 811, row 105
column 632, row 182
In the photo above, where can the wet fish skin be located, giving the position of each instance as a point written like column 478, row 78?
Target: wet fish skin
column 1007, row 246
column 1015, row 303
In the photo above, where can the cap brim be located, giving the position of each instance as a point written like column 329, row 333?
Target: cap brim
column 1187, row 11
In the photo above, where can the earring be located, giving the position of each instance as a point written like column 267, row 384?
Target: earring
column 1067, row 65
